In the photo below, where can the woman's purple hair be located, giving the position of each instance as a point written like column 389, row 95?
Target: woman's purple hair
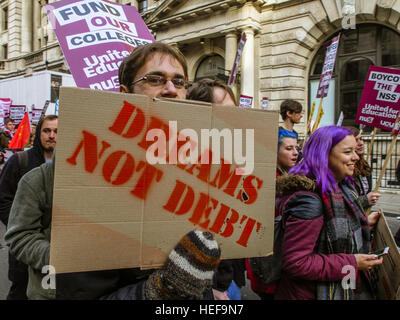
column 316, row 155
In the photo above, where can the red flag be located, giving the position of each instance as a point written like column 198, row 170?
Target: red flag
column 21, row 136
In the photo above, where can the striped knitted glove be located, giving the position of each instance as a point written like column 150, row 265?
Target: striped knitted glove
column 188, row 271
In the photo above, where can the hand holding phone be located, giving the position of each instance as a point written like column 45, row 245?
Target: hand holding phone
column 381, row 252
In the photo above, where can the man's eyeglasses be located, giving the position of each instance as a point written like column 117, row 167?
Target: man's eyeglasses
column 156, row 81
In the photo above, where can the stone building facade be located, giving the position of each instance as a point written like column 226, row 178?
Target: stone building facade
column 282, row 57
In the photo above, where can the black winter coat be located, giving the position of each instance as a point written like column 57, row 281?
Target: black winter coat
column 12, row 173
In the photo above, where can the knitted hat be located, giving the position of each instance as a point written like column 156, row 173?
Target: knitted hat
column 188, row 271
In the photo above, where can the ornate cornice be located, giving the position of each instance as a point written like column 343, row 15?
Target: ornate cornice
column 155, row 21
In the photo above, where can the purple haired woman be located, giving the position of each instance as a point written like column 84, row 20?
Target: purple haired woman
column 327, row 234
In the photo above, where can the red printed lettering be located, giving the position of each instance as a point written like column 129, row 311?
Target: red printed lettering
column 124, row 117
column 89, row 144
column 126, row 171
column 248, row 228
column 155, row 123
column 250, row 189
column 149, row 174
column 203, row 210
column 223, row 175
column 176, row 196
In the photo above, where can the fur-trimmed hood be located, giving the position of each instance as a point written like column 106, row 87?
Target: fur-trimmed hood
column 294, row 182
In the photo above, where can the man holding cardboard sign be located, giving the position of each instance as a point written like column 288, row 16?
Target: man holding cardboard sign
column 189, row 268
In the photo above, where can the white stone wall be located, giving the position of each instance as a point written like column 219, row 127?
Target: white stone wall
column 293, row 31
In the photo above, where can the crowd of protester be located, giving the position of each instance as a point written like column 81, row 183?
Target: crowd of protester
column 322, row 193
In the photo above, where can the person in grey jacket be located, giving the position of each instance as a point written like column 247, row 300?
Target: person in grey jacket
column 156, row 70
column 16, row 166
column 28, row 237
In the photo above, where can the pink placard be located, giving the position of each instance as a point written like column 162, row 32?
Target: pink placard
column 379, row 105
column 95, row 36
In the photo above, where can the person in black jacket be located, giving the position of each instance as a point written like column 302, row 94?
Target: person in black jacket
column 8, row 132
column 16, row 166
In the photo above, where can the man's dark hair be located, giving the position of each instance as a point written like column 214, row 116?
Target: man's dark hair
column 291, row 106
column 8, row 120
column 202, row 90
column 138, row 57
column 50, row 117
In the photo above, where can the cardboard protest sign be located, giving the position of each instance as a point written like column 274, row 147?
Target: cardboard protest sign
column 379, row 105
column 95, row 36
column 386, row 278
column 134, row 174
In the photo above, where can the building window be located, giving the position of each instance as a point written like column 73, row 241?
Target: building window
column 211, row 67
column 390, row 48
column 5, row 51
column 4, row 18
column 352, row 81
column 368, row 44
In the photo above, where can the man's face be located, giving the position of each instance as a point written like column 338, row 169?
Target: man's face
column 294, row 117
column 164, row 65
column 10, row 126
column 48, row 135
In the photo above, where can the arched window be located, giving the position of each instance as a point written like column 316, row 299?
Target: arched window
column 211, row 67
column 368, row 44
column 352, row 81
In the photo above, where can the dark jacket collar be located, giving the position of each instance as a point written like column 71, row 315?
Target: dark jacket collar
column 286, row 184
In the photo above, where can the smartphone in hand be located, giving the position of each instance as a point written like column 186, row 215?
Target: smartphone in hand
column 381, row 252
